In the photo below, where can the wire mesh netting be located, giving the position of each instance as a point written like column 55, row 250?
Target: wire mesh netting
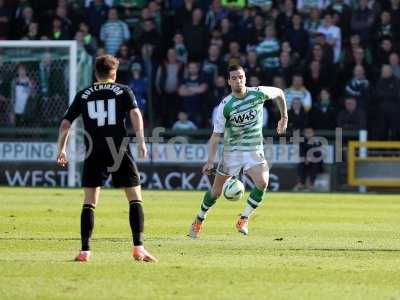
column 33, row 86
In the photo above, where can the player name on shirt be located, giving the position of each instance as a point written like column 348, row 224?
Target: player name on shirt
column 102, row 86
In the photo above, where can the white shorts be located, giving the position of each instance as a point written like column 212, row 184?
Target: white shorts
column 232, row 162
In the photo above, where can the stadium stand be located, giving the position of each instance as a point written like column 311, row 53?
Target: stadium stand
column 330, row 55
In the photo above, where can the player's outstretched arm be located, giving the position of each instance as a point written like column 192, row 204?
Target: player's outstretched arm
column 137, row 124
column 278, row 95
column 62, row 142
column 281, row 102
column 212, row 151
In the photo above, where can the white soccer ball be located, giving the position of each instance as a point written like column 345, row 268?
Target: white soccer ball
column 233, row 189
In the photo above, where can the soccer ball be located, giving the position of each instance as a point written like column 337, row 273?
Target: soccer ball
column 233, row 189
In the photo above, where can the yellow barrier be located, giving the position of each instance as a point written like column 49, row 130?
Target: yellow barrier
column 352, row 159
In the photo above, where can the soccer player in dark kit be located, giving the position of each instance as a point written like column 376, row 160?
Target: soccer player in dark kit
column 103, row 107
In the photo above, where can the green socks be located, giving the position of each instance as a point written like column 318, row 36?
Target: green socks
column 208, row 201
column 254, row 200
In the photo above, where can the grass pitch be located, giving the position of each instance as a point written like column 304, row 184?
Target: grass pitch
column 301, row 246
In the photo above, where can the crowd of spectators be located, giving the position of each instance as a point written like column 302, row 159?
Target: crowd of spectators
column 337, row 60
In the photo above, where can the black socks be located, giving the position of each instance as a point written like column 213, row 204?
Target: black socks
column 87, row 224
column 136, row 220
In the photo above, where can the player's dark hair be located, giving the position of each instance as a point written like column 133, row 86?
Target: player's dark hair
column 105, row 65
column 234, row 68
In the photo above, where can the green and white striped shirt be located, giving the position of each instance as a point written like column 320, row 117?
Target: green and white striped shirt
column 268, row 53
column 241, row 119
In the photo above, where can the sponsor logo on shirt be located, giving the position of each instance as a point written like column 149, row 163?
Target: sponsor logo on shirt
column 243, row 118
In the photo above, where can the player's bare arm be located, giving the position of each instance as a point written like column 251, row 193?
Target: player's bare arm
column 212, row 151
column 137, row 125
column 282, row 124
column 240, row 115
column 62, row 142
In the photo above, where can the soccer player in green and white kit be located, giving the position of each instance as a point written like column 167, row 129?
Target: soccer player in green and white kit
column 239, row 118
